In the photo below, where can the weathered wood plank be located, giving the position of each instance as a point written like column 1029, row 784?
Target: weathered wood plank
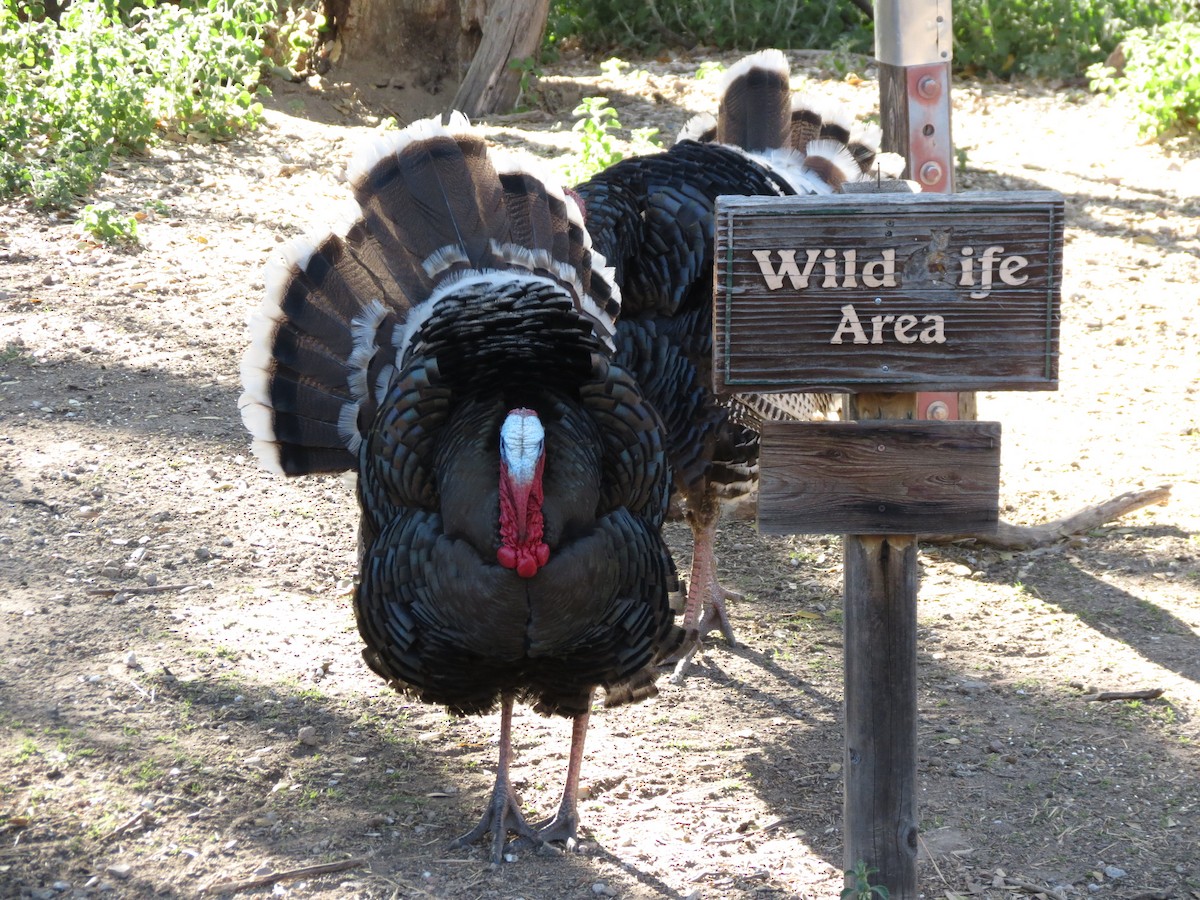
column 888, row 292
column 887, row 477
column 880, row 763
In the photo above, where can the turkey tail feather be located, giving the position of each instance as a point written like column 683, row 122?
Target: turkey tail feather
column 755, row 110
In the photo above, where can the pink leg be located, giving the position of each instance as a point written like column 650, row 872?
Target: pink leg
column 705, row 610
column 564, row 824
column 503, row 813
column 705, row 593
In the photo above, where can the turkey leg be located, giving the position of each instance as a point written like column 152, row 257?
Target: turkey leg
column 705, row 608
column 503, row 813
column 562, row 827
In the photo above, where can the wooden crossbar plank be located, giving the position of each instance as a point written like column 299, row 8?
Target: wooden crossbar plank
column 880, row 477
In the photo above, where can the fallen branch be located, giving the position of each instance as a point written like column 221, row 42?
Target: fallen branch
column 1148, row 694
column 232, row 887
column 151, row 589
column 1030, row 887
column 1026, row 537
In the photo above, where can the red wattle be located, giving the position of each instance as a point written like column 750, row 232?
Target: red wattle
column 507, row 557
column 522, row 523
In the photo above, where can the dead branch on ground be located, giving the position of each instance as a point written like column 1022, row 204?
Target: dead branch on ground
column 1027, row 537
column 232, row 887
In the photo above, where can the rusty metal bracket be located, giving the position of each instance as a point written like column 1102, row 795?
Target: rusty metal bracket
column 930, row 149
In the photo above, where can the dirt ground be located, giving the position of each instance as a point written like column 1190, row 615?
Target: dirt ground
column 182, row 701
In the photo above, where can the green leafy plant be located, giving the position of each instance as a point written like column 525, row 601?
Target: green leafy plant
column 1058, row 38
column 108, row 79
column 861, row 888
column 597, row 146
column 103, row 222
column 530, row 73
column 291, row 46
column 708, row 69
column 1161, row 74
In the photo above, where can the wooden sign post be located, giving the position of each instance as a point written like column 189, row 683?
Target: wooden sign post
column 881, row 295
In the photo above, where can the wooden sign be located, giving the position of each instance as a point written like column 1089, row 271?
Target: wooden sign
column 879, row 477
column 888, row 292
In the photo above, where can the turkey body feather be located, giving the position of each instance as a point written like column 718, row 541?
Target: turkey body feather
column 451, row 342
column 653, row 217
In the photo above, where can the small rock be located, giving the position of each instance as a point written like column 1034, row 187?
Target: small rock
column 307, row 736
column 119, row 870
column 600, row 889
column 968, row 686
column 150, row 578
column 203, row 554
column 1113, row 873
column 131, row 660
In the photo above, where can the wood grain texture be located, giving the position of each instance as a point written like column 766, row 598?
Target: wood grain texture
column 885, row 477
column 783, row 338
column 879, row 806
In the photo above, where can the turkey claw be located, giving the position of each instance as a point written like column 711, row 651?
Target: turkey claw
column 715, row 617
column 502, row 816
column 560, row 829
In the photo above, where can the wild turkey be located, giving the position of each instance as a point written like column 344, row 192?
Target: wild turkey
column 653, row 219
column 451, row 343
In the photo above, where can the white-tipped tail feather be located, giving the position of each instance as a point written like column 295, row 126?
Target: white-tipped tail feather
column 391, row 143
column 702, row 127
column 768, row 60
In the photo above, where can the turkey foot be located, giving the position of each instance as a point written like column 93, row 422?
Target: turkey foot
column 503, row 813
column 715, row 615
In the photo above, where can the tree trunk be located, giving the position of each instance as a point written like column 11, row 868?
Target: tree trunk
column 512, row 31
column 420, row 36
column 431, row 44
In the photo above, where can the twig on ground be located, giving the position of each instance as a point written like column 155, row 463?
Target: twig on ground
column 929, row 856
column 1028, row 887
column 151, row 589
column 232, row 887
column 125, row 826
column 1148, row 694
column 1026, row 537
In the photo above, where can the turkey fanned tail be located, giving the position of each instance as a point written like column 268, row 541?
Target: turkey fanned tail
column 341, row 309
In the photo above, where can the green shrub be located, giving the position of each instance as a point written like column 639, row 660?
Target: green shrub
column 1058, row 38
column 99, row 82
column 647, row 25
column 1161, row 73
